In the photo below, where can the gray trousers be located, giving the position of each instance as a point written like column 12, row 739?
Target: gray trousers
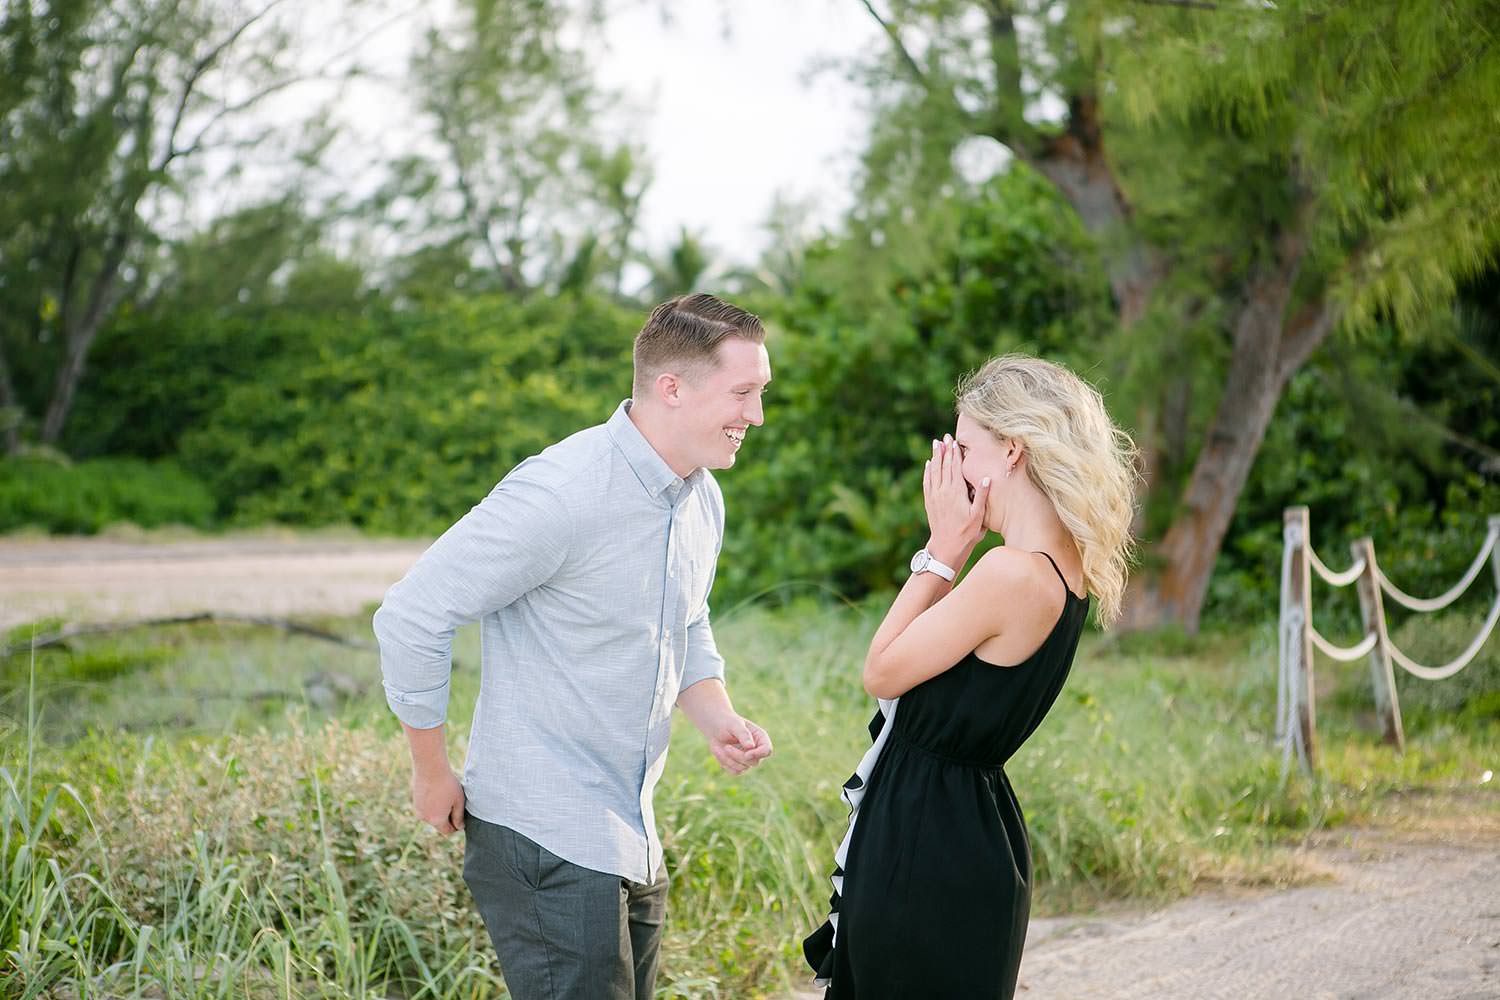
column 562, row 932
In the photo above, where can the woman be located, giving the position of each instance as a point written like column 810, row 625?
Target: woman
column 932, row 886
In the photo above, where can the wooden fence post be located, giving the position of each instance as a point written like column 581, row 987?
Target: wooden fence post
column 1372, row 612
column 1301, row 596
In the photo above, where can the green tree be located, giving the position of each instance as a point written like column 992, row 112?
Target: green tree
column 830, row 489
column 1256, row 176
column 682, row 268
column 399, row 420
column 519, row 190
column 619, row 178
column 106, row 108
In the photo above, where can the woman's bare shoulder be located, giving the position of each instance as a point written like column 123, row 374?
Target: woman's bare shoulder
column 1017, row 580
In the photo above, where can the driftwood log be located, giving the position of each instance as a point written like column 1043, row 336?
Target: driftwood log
column 104, row 628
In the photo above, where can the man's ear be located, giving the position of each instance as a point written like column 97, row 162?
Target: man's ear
column 668, row 388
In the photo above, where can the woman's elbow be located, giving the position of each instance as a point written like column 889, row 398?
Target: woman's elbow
column 877, row 679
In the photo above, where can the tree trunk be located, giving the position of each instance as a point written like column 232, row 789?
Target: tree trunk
column 10, row 408
column 1175, row 592
column 1076, row 164
column 80, row 338
column 1269, row 347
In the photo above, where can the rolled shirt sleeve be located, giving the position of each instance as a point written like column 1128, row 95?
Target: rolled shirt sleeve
column 510, row 543
column 702, row 660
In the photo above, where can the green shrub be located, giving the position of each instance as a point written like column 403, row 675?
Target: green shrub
column 1433, row 640
column 1362, row 437
column 279, row 856
column 398, row 422
column 830, row 489
column 154, row 376
column 83, row 498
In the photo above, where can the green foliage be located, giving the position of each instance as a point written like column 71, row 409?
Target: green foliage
column 521, row 184
column 1333, row 161
column 1471, row 696
column 83, row 498
column 1395, row 437
column 830, row 488
column 304, row 872
column 1380, row 114
column 399, row 421
column 156, row 375
column 106, row 106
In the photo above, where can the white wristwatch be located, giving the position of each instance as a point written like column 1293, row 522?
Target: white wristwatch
column 923, row 562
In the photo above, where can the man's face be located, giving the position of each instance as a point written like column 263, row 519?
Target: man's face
column 722, row 403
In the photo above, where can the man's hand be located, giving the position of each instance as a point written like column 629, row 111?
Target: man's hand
column 739, row 744
column 436, row 794
column 439, row 799
column 736, row 743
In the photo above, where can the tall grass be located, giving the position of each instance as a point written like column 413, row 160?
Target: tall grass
column 272, row 853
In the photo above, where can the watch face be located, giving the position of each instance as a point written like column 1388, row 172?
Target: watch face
column 919, row 561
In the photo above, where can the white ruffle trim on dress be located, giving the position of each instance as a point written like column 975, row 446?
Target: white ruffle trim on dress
column 852, row 793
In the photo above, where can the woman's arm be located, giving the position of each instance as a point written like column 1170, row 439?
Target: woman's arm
column 932, row 625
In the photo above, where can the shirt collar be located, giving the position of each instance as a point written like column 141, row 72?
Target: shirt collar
column 644, row 460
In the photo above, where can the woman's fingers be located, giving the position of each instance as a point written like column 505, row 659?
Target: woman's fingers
column 981, row 501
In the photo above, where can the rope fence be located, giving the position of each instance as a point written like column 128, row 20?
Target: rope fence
column 1296, row 728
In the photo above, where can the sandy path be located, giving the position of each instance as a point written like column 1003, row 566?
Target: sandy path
column 91, row 580
column 1402, row 919
column 1403, row 916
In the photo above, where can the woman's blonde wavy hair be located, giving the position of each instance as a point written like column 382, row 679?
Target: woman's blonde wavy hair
column 1075, row 455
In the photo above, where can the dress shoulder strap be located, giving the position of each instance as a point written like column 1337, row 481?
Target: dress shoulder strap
column 1066, row 588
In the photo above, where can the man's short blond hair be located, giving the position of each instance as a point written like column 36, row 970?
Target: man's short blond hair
column 683, row 335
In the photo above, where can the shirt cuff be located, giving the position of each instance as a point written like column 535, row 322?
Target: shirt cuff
column 419, row 709
column 701, row 666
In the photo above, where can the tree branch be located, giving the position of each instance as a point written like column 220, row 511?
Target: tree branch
column 1303, row 333
column 481, row 220
column 1184, row 4
column 901, row 50
column 1313, row 322
column 206, row 62
column 1010, row 127
column 227, row 110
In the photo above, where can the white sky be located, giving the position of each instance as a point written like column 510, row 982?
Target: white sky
column 724, row 97
column 733, row 115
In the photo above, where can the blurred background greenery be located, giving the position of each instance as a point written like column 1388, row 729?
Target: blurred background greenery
column 1268, row 233
column 1276, row 258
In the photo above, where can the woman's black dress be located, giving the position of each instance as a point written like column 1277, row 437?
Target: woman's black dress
column 932, row 889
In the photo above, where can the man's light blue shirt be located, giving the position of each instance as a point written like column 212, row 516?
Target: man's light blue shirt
column 588, row 568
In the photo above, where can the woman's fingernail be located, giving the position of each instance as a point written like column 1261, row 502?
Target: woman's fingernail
column 985, row 481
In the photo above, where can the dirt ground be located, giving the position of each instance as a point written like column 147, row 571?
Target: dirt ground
column 111, row 579
column 1408, row 909
column 1400, row 918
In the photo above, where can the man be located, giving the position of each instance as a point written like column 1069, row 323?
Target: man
column 589, row 568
